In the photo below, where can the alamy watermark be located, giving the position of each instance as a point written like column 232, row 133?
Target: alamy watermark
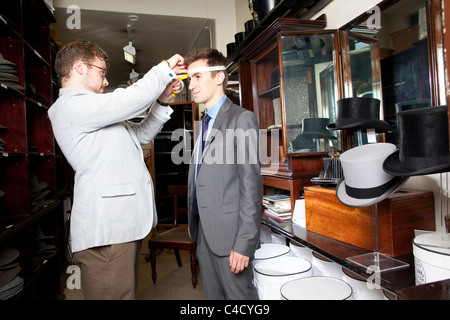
column 374, row 21
column 234, row 146
column 74, row 20
column 74, row 280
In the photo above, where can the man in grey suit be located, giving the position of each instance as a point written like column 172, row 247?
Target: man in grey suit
column 225, row 183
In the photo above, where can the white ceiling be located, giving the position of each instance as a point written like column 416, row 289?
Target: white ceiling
column 155, row 37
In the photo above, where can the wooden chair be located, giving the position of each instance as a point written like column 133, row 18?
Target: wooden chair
column 176, row 238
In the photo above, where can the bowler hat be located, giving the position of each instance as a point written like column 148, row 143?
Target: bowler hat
column 423, row 144
column 365, row 182
column 359, row 113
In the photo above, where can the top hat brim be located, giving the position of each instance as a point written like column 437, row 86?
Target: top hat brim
column 378, row 125
column 317, row 135
column 344, row 198
column 393, row 166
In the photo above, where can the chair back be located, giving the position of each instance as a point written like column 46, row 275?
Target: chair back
column 178, row 193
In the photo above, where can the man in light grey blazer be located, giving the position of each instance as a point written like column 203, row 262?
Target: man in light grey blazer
column 225, row 183
column 113, row 206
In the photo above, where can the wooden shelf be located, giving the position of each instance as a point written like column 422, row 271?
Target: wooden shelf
column 31, row 166
column 339, row 252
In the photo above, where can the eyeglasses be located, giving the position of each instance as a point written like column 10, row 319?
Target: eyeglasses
column 103, row 73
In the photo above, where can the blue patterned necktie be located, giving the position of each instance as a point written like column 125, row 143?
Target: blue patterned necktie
column 205, row 123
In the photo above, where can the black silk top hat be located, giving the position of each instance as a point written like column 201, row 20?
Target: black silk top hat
column 359, row 113
column 365, row 182
column 423, row 144
column 316, row 128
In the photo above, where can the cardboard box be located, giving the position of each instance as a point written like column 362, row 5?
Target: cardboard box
column 398, row 216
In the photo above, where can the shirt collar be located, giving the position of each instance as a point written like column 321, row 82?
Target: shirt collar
column 214, row 110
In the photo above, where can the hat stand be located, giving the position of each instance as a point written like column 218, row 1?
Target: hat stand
column 375, row 261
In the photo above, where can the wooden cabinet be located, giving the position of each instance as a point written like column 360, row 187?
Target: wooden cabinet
column 29, row 162
column 171, row 152
column 282, row 94
column 298, row 72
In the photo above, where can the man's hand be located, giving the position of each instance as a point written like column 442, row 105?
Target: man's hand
column 176, row 63
column 238, row 262
column 166, row 96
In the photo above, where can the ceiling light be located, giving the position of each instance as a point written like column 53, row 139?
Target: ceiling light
column 130, row 53
column 134, row 76
column 133, row 17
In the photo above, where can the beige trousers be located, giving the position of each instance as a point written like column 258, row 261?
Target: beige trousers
column 109, row 272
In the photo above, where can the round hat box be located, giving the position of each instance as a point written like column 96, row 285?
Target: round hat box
column 316, row 288
column 271, row 250
column 271, row 274
column 278, row 237
column 300, row 251
column 431, row 257
column 323, row 266
column 265, row 234
column 362, row 289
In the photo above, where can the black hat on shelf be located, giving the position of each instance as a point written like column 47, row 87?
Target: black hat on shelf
column 316, row 128
column 412, row 104
column 359, row 113
column 423, row 144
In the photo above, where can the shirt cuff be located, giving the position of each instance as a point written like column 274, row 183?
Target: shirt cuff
column 161, row 111
column 163, row 66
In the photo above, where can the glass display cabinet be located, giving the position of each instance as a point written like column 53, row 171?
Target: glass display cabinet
column 298, row 72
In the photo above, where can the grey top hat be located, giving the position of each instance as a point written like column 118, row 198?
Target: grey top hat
column 365, row 182
column 359, row 113
column 423, row 144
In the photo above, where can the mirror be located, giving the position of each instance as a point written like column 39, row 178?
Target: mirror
column 310, row 91
column 363, row 67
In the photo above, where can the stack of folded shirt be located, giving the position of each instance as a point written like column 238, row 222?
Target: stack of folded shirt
column 11, row 283
column 8, row 74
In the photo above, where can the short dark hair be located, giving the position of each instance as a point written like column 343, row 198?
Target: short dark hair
column 77, row 50
column 214, row 58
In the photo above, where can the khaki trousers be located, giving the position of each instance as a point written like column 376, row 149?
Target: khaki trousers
column 109, row 272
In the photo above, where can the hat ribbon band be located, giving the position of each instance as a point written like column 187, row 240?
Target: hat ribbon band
column 347, row 121
column 374, row 192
